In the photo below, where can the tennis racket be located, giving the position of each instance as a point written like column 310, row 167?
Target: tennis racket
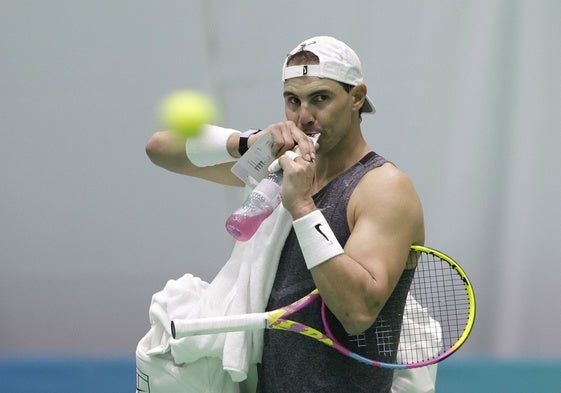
column 437, row 316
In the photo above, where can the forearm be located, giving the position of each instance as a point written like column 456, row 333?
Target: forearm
column 208, row 156
column 168, row 151
column 350, row 292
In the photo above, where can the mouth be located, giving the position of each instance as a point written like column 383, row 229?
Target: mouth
column 313, row 136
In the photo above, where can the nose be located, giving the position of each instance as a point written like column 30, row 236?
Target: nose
column 305, row 117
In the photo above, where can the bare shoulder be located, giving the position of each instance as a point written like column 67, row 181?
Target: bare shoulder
column 385, row 182
column 387, row 197
column 387, row 178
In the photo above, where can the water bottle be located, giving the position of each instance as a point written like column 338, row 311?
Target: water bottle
column 261, row 202
column 259, row 205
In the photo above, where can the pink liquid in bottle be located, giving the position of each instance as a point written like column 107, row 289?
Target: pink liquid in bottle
column 243, row 227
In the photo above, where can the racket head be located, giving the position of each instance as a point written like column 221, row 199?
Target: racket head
column 440, row 309
column 437, row 319
column 443, row 288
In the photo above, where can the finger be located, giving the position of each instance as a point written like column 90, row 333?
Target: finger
column 282, row 138
column 288, row 159
column 276, row 166
column 306, row 145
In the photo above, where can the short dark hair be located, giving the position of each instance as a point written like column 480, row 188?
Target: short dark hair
column 302, row 57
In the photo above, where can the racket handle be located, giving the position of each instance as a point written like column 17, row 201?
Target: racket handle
column 231, row 323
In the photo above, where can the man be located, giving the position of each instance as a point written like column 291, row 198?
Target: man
column 354, row 214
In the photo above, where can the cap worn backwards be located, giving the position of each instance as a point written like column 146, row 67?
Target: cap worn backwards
column 337, row 61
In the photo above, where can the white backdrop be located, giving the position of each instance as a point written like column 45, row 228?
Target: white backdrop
column 468, row 97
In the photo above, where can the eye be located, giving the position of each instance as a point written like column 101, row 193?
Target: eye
column 292, row 100
column 320, row 98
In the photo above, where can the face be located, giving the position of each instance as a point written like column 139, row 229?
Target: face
column 321, row 105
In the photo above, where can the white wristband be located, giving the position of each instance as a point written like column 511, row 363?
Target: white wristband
column 209, row 147
column 317, row 240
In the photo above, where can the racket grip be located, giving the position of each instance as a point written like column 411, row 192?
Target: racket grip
column 231, row 323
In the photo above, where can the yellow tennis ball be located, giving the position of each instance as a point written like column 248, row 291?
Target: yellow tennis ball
column 184, row 112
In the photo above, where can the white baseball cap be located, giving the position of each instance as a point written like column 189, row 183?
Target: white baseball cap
column 337, row 61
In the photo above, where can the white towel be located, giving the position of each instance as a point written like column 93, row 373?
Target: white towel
column 428, row 337
column 242, row 286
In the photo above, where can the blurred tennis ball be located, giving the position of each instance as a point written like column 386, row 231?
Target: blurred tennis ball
column 185, row 112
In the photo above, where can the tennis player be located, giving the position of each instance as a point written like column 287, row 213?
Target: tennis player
column 355, row 216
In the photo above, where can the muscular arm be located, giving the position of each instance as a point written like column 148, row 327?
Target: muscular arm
column 385, row 218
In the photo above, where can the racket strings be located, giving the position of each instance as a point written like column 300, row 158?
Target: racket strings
column 437, row 312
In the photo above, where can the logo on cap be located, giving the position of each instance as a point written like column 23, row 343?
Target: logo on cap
column 303, row 46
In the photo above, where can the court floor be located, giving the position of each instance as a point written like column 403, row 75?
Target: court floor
column 65, row 375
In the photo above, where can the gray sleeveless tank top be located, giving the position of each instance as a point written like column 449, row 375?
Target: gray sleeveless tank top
column 294, row 363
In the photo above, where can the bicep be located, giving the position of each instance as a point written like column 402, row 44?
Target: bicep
column 385, row 217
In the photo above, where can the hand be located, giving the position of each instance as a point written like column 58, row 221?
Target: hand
column 297, row 185
column 286, row 136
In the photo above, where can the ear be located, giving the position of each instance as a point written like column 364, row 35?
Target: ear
column 358, row 93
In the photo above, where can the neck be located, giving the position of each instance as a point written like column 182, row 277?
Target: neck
column 347, row 153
